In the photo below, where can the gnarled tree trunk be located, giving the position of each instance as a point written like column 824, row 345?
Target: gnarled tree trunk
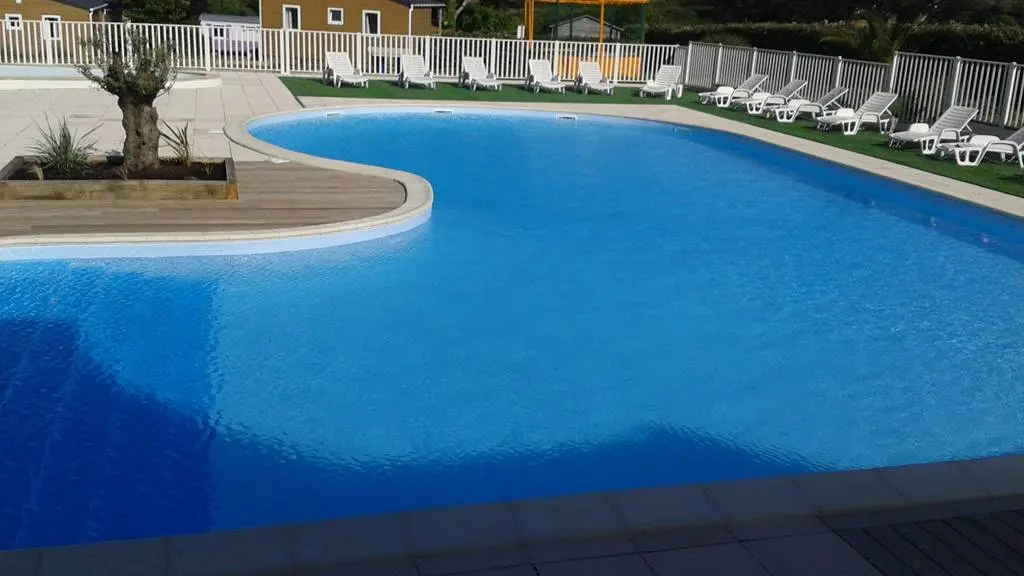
column 142, row 134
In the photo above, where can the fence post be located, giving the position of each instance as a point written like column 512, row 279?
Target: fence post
column 838, row 72
column 490, row 61
column 892, row 71
column 753, row 62
column 359, row 53
column 1009, row 87
column 282, row 40
column 792, row 66
column 686, row 74
column 954, row 81
column 554, row 59
column 718, row 64
column 617, row 63
column 207, row 55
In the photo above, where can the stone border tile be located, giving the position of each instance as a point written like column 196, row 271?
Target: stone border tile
column 654, row 508
column 743, row 500
column 238, row 552
column 835, row 492
column 462, row 528
column 1002, row 476
column 350, row 540
column 124, row 558
column 578, row 516
column 437, row 565
column 21, row 562
column 930, row 483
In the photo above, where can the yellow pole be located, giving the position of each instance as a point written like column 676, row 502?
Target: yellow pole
column 600, row 31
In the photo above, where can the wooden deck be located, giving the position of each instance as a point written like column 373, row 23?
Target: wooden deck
column 269, row 196
column 971, row 544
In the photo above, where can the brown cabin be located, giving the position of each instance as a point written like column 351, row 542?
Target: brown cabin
column 16, row 12
column 416, row 17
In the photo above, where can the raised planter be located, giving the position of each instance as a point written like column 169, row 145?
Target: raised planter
column 220, row 185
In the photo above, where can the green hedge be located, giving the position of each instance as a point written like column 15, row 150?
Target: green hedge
column 999, row 43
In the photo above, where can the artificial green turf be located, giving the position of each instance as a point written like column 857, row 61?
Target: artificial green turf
column 304, row 87
column 997, row 176
column 1002, row 177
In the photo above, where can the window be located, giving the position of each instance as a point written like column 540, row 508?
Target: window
column 371, row 22
column 436, row 14
column 12, row 22
column 51, row 27
column 218, row 32
column 336, row 16
column 291, row 17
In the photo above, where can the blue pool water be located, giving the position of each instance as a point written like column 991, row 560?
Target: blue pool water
column 594, row 305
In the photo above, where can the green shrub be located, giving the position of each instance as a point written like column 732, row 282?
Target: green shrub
column 61, row 150
column 997, row 43
column 726, row 38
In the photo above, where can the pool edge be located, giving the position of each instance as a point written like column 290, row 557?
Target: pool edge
column 751, row 506
column 413, row 212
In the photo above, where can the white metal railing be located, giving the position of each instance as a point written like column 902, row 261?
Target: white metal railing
column 926, row 84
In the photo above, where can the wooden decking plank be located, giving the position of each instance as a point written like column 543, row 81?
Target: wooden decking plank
column 992, row 546
column 964, row 548
column 1000, row 530
column 918, row 562
column 1013, row 519
column 270, row 196
column 879, row 556
column 937, row 550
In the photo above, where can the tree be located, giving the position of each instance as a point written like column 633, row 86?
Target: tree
column 453, row 9
column 875, row 36
column 155, row 11
column 137, row 72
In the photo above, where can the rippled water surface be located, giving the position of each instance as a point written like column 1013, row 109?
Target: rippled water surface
column 594, row 305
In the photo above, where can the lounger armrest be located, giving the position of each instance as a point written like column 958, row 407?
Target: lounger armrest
column 950, row 134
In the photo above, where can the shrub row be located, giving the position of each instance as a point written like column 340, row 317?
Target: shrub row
column 998, row 43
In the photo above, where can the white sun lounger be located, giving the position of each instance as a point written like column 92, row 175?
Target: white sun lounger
column 724, row 95
column 414, row 72
column 475, row 74
column 950, row 127
column 788, row 113
column 974, row 150
column 784, row 95
column 590, row 78
column 664, row 82
column 875, row 110
column 340, row 71
column 542, row 78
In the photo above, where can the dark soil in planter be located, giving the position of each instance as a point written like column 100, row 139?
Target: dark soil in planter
column 109, row 170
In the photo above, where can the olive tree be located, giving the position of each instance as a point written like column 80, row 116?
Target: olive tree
column 137, row 71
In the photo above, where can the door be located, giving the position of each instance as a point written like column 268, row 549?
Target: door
column 371, row 22
column 291, row 18
column 51, row 37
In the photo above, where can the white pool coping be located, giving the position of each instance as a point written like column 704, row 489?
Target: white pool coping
column 413, row 212
column 193, row 81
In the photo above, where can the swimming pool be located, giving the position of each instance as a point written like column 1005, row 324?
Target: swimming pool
column 27, row 77
column 595, row 304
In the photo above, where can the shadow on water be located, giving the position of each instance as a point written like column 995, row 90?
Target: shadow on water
column 85, row 457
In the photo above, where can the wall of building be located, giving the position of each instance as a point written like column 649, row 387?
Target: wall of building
column 394, row 17
column 36, row 9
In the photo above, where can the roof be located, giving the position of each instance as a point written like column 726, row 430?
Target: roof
column 584, row 17
column 230, row 18
column 420, row 3
column 85, row 4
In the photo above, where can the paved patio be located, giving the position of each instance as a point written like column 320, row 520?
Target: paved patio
column 242, row 95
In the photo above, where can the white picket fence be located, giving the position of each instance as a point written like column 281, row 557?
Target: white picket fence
column 927, row 84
